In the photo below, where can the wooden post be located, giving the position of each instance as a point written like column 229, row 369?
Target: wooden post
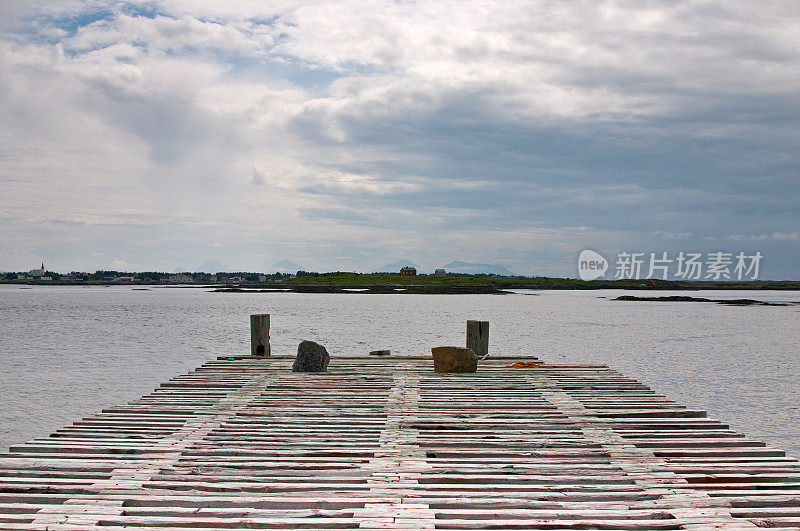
column 259, row 335
column 478, row 337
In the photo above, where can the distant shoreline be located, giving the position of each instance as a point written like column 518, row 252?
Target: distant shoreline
column 457, row 290
column 385, row 283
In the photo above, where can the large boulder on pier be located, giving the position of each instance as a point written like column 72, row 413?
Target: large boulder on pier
column 311, row 357
column 454, row 359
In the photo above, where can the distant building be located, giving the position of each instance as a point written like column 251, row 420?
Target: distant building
column 262, row 278
column 20, row 276
column 408, row 271
column 37, row 273
column 439, row 272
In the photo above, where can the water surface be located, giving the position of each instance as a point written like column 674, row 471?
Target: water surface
column 67, row 352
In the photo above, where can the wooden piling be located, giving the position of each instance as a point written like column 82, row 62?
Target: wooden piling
column 259, row 335
column 478, row 337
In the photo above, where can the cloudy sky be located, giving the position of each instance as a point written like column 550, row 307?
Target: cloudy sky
column 146, row 135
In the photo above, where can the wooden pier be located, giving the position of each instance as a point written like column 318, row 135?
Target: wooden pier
column 385, row 443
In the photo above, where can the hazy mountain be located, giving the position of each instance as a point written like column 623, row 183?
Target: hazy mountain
column 287, row 266
column 179, row 270
column 473, row 268
column 211, row 266
column 394, row 267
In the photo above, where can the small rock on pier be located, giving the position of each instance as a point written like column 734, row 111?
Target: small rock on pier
column 311, row 357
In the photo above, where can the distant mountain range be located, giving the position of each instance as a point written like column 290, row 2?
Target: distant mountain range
column 211, row 266
column 287, row 266
column 394, row 267
column 473, row 268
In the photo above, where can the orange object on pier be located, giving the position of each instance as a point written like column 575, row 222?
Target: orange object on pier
column 523, row 365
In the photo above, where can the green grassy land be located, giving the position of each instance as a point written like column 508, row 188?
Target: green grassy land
column 387, row 279
column 334, row 281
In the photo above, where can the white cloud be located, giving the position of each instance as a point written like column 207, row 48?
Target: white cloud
column 162, row 34
column 672, row 235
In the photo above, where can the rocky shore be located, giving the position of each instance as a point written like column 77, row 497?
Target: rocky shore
column 684, row 298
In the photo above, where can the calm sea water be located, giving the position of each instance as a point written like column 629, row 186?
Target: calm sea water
column 67, row 352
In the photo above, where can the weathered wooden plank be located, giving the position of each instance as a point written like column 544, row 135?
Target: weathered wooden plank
column 387, row 444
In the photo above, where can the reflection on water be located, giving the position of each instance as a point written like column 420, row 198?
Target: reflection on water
column 66, row 352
